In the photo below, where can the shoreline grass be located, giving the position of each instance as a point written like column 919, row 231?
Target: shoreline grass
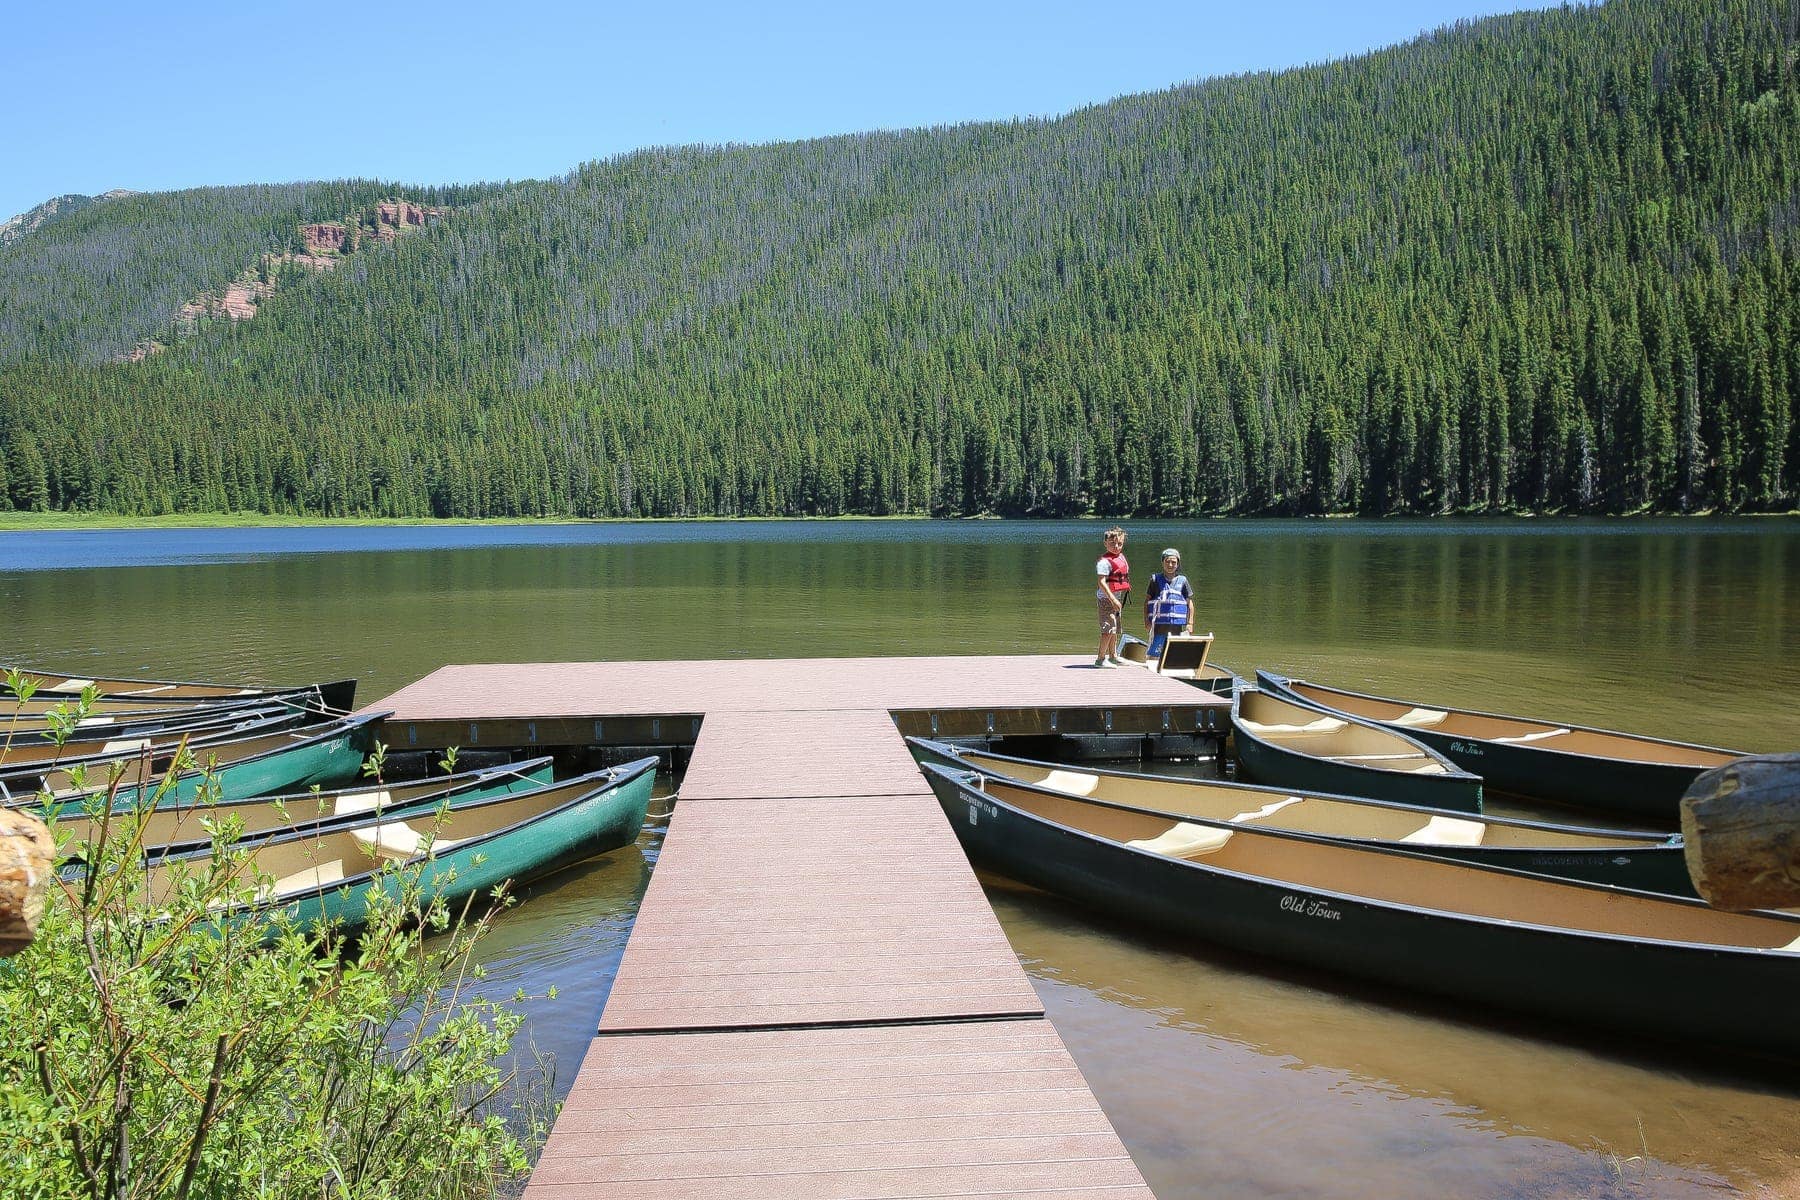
column 41, row 522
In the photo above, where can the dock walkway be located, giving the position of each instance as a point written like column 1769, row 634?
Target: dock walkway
column 816, row 1000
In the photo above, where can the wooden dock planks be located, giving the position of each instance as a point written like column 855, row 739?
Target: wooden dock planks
column 991, row 1108
column 813, row 911
column 764, row 755
column 816, row 1001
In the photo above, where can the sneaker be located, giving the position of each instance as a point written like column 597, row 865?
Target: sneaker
column 1099, row 662
column 1117, row 662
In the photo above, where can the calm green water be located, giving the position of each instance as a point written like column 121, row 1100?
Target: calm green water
column 1224, row 1076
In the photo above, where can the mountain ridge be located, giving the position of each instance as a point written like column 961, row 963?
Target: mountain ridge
column 1543, row 262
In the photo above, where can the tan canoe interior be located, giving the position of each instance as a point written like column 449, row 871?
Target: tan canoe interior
column 58, row 783
column 87, row 744
column 304, row 865
column 1513, row 729
column 183, row 822
column 1420, row 883
column 1270, row 808
column 1304, row 731
column 140, row 687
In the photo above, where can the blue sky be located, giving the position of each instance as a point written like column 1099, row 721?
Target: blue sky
column 160, row 96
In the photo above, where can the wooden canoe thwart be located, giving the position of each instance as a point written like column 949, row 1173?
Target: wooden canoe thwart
column 1742, row 827
column 1649, row 862
column 1642, row 778
column 1622, row 961
column 1286, row 742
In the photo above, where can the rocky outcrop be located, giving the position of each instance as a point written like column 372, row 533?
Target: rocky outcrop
column 325, row 244
column 327, row 237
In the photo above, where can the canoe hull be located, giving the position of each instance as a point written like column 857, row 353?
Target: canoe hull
column 1740, row 1000
column 1265, row 763
column 1654, row 866
column 602, row 821
column 1634, row 789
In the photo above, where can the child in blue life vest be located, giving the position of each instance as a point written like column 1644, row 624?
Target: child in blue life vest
column 1168, row 603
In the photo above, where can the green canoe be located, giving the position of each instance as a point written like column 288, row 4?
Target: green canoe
column 22, row 751
column 326, row 755
column 1648, row 862
column 59, row 685
column 1642, row 778
column 1623, row 961
column 326, row 872
column 1287, row 743
column 176, row 828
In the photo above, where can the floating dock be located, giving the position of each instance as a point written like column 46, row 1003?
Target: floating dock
column 816, row 1001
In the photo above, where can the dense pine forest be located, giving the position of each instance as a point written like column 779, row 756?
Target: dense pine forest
column 1544, row 262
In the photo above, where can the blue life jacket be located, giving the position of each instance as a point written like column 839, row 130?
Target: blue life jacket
column 1168, row 600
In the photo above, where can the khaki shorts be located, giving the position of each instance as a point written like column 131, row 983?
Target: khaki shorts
column 1109, row 616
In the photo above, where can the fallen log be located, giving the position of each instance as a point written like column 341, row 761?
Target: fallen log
column 1741, row 825
column 25, row 854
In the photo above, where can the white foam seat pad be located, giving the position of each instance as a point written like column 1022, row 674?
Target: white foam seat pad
column 1539, row 736
column 316, row 876
column 357, row 802
column 1420, row 716
column 1074, row 783
column 124, row 745
column 1322, row 725
column 1448, row 831
column 1184, row 840
column 398, row 841
column 1267, row 810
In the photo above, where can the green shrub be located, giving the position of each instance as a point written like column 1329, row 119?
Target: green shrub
column 175, row 1053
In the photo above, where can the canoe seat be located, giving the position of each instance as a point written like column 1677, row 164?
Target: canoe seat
column 1415, row 764
column 1267, row 810
column 397, row 841
column 124, row 746
column 1073, row 783
column 1420, row 716
column 1447, row 831
column 1539, row 736
column 1322, row 725
column 357, row 802
column 1185, row 840
column 319, row 875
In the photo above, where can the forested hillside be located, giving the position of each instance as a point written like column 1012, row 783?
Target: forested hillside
column 1547, row 262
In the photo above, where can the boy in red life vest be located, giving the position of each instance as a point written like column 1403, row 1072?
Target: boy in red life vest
column 1115, row 588
column 1168, row 603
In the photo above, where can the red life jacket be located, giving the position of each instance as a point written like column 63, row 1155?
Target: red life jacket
column 1118, row 573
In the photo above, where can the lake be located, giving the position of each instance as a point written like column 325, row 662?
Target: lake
column 1224, row 1075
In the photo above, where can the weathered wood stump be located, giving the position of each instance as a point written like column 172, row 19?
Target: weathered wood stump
column 25, row 874
column 1741, row 824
